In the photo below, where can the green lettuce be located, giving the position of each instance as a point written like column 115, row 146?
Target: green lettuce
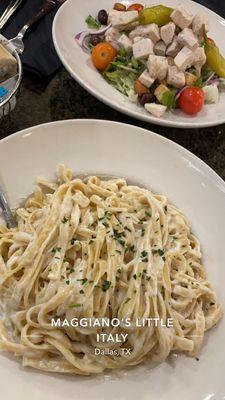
column 123, row 71
column 92, row 23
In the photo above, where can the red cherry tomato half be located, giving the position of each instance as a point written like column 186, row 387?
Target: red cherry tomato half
column 135, row 7
column 191, row 100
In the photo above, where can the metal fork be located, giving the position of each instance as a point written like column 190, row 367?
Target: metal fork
column 7, row 213
column 9, row 11
column 46, row 7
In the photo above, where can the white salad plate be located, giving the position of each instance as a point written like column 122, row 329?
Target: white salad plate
column 70, row 20
column 143, row 157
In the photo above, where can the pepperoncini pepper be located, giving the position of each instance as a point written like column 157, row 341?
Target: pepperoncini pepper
column 159, row 15
column 214, row 59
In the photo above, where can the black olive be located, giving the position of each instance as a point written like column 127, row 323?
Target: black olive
column 103, row 17
column 146, row 98
column 95, row 39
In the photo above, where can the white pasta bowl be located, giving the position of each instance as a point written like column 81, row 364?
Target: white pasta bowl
column 70, row 20
column 101, row 147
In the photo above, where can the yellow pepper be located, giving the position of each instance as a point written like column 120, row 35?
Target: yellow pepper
column 159, row 15
column 214, row 59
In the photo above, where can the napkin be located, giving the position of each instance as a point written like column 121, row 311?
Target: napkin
column 39, row 56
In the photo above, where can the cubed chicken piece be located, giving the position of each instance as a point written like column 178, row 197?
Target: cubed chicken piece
column 167, row 32
column 160, row 91
column 211, row 93
column 187, row 38
column 175, row 77
column 160, row 48
column 137, row 38
column 120, row 19
column 125, row 42
column 146, row 79
column 158, row 110
column 199, row 56
column 184, row 59
column 181, row 17
column 151, row 31
column 112, row 35
column 174, row 48
column 198, row 22
column 190, row 79
column 157, row 66
column 199, row 59
column 143, row 48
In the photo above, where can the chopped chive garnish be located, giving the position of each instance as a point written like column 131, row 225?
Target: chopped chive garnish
column 83, row 281
column 71, row 271
column 106, row 285
column 160, row 252
column 55, row 249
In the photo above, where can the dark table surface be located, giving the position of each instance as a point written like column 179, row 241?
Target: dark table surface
column 63, row 98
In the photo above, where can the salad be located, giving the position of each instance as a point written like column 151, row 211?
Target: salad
column 159, row 57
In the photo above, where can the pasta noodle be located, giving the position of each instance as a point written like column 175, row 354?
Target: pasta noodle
column 96, row 249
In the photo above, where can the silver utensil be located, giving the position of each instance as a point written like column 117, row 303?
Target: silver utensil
column 7, row 213
column 46, row 7
column 9, row 11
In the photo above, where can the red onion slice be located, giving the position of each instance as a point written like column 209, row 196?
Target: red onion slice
column 82, row 37
column 179, row 92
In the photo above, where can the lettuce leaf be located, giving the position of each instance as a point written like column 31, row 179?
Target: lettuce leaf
column 123, row 71
column 92, row 23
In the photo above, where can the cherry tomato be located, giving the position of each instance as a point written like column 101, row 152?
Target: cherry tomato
column 191, row 100
column 120, row 7
column 135, row 7
column 102, row 55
